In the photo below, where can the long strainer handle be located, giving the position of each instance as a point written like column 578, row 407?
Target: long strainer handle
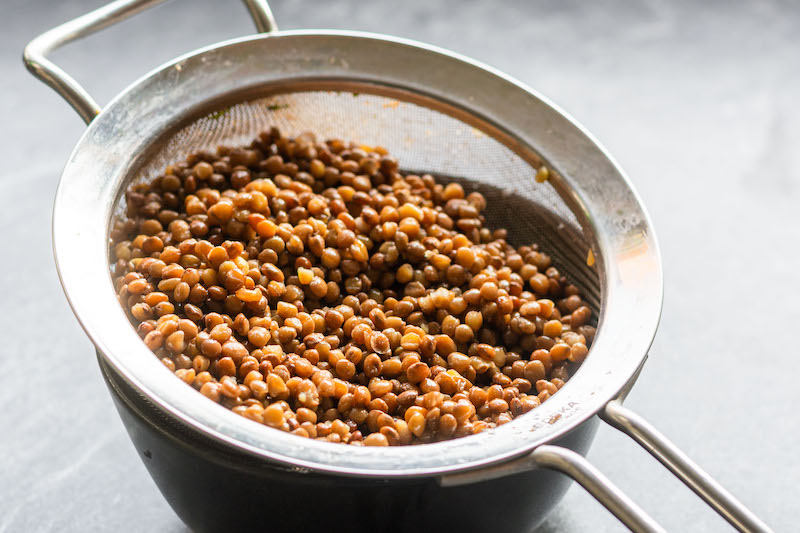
column 609, row 495
column 35, row 54
column 694, row 477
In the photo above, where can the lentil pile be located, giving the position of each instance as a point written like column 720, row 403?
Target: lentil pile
column 315, row 288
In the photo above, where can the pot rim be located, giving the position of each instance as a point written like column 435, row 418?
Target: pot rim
column 627, row 253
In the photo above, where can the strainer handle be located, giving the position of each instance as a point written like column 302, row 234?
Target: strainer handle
column 35, row 54
column 609, row 495
column 579, row 469
column 694, row 477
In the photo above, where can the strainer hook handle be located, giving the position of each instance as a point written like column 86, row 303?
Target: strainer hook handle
column 609, row 495
column 677, row 462
column 35, row 54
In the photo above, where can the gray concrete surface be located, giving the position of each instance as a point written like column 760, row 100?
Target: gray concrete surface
column 697, row 100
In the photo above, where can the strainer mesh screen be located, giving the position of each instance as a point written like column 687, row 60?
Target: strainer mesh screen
column 424, row 141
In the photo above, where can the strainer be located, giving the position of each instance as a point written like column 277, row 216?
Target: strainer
column 437, row 112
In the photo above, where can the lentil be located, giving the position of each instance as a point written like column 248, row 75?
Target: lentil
column 314, row 288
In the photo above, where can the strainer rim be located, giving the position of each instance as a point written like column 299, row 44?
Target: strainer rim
column 219, row 423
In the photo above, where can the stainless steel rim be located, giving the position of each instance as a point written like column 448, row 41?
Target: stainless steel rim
column 84, row 201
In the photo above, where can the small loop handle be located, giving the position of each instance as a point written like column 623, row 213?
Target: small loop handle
column 35, row 54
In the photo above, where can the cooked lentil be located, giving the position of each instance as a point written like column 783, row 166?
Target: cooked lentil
column 314, row 288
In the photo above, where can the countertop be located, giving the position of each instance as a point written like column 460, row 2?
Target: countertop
column 698, row 101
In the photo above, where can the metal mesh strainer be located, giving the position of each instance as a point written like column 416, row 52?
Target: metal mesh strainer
column 437, row 112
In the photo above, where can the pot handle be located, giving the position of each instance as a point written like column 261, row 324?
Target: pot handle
column 35, row 54
column 609, row 495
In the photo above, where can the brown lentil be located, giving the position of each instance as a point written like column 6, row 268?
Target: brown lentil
column 314, row 288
